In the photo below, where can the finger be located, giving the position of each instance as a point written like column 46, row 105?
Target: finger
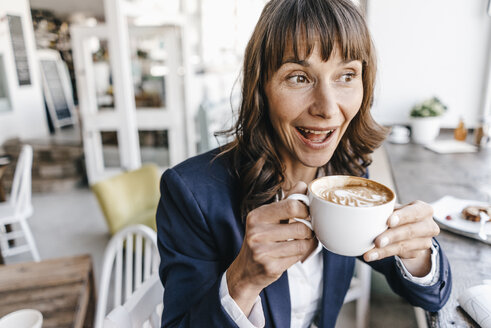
column 299, row 188
column 279, row 232
column 426, row 228
column 283, row 210
column 276, row 212
column 403, row 249
column 288, row 249
column 412, row 212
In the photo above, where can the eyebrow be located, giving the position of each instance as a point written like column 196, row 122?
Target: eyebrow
column 305, row 63
column 296, row 61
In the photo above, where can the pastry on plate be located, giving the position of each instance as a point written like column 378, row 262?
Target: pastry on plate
column 471, row 212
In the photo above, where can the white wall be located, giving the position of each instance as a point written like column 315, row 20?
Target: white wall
column 28, row 118
column 426, row 48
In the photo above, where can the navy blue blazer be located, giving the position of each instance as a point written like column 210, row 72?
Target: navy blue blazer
column 200, row 233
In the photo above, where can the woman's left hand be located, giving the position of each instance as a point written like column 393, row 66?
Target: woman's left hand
column 410, row 233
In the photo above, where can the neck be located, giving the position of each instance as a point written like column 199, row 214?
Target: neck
column 297, row 174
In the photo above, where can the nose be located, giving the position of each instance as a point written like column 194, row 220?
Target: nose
column 324, row 104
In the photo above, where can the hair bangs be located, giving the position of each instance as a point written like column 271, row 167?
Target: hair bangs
column 353, row 36
column 301, row 25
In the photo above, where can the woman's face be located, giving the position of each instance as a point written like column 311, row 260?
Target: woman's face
column 311, row 103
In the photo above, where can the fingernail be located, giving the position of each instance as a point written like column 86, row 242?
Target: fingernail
column 384, row 242
column 373, row 256
column 394, row 220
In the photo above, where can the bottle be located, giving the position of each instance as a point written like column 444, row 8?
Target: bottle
column 460, row 133
column 479, row 135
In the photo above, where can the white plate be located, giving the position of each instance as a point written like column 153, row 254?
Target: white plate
column 452, row 206
column 451, row 147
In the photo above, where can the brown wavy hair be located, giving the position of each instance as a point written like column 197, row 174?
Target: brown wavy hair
column 296, row 26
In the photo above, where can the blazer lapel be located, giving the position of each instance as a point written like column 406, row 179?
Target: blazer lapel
column 278, row 302
column 338, row 271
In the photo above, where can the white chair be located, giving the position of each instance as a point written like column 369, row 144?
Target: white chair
column 142, row 309
column 359, row 291
column 131, row 258
column 17, row 209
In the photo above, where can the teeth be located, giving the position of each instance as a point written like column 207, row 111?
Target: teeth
column 315, row 131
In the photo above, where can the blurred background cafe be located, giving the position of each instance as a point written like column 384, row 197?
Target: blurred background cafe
column 99, row 97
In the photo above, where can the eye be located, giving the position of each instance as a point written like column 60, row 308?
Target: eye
column 348, row 77
column 298, row 79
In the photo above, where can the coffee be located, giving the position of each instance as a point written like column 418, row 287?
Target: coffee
column 356, row 195
column 352, row 191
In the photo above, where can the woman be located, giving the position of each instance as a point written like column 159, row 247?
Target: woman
column 231, row 256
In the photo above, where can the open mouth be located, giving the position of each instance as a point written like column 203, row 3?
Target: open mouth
column 315, row 136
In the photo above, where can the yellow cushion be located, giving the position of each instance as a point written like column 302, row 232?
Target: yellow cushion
column 147, row 218
column 130, row 197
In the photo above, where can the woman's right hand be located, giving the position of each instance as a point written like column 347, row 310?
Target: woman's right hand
column 271, row 245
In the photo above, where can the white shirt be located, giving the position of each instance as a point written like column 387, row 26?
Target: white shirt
column 305, row 284
column 306, row 295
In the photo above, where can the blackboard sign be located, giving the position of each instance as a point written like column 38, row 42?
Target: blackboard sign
column 57, row 89
column 19, row 48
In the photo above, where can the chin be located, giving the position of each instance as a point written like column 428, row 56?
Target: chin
column 316, row 161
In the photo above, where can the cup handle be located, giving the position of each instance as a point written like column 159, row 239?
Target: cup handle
column 304, row 199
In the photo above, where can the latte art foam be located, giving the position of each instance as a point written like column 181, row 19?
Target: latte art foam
column 356, row 196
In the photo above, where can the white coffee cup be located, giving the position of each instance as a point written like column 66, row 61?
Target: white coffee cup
column 399, row 134
column 342, row 229
column 26, row 318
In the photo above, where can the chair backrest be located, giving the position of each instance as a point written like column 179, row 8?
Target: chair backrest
column 142, row 309
column 131, row 257
column 130, row 197
column 20, row 196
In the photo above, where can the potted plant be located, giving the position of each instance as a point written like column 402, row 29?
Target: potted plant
column 425, row 120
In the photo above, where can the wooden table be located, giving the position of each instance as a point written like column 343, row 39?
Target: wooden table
column 62, row 289
column 422, row 174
